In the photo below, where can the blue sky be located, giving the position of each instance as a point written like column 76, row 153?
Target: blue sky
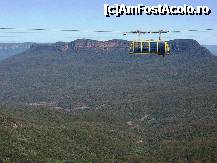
column 88, row 16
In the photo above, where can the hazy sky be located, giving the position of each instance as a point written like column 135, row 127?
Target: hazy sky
column 87, row 15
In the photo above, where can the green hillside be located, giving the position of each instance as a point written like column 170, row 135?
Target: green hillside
column 103, row 105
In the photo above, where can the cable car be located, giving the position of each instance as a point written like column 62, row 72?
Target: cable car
column 150, row 47
column 158, row 47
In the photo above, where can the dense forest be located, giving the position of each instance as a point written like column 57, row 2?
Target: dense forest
column 104, row 105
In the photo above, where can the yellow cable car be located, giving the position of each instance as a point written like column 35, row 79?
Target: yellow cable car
column 158, row 47
column 150, row 47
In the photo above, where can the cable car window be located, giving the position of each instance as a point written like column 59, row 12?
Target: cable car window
column 132, row 47
column 161, row 48
column 153, row 47
column 137, row 47
column 145, row 47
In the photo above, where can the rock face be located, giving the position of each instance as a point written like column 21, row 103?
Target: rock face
column 81, row 44
column 99, row 44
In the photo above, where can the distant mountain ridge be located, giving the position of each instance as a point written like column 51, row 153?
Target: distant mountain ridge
column 59, row 65
column 10, row 49
column 177, row 46
column 5, row 46
column 212, row 48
